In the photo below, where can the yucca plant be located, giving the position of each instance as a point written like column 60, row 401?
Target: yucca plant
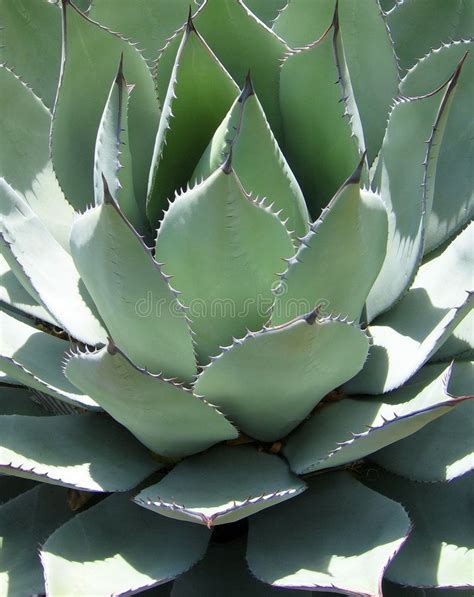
column 236, row 264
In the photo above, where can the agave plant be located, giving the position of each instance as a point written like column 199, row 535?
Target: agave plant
column 235, row 262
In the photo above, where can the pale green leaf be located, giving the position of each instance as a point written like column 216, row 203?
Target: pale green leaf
column 336, row 275
column 256, row 159
column 118, row 548
column 337, row 535
column 91, row 55
column 269, row 381
column 223, row 250
column 223, row 485
column 164, row 416
column 133, row 297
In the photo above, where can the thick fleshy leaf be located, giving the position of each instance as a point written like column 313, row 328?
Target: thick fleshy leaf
column 417, row 26
column 256, row 159
column 411, row 332
column 198, row 80
column 323, row 135
column 224, row 571
column 266, row 10
column 113, row 160
column 444, row 447
column 408, row 197
column 34, row 254
column 35, row 358
column 16, row 400
column 460, row 343
column 91, row 55
column 302, row 22
column 87, row 451
column 30, row 44
column 349, row 429
column 223, row 485
column 13, row 294
column 25, row 522
column 333, row 274
column 164, row 416
column 337, row 535
column 117, row 548
column 217, row 223
column 269, row 381
column 453, row 201
column 149, row 24
column 132, row 295
column 24, row 155
column 440, row 549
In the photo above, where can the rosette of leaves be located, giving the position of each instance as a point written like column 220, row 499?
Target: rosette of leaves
column 236, row 326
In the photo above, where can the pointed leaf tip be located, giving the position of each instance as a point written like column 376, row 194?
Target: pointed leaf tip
column 108, row 199
column 227, row 165
column 119, row 77
column 247, row 90
column 189, row 24
column 355, row 177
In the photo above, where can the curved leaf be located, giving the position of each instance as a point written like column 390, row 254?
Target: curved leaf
column 460, row 343
column 35, row 359
column 16, row 400
column 440, row 549
column 269, row 381
column 217, row 223
column 25, row 522
column 198, row 80
column 302, row 22
column 412, row 331
column 30, row 44
column 256, row 159
column 24, row 155
column 320, row 130
column 337, row 535
column 444, row 447
column 133, row 296
column 404, row 176
column 223, row 485
column 33, row 253
column 333, row 274
column 453, row 201
column 348, row 430
column 117, row 548
column 164, row 416
column 86, row 451
column 90, row 57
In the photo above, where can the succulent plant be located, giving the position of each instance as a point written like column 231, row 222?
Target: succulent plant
column 236, row 292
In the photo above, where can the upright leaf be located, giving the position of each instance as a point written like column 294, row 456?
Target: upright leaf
column 217, row 223
column 90, row 57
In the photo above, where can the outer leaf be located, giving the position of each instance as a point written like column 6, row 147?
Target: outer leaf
column 265, row 10
column 302, row 22
column 164, row 416
column 439, row 551
column 113, row 159
column 224, row 571
column 30, row 42
column 149, row 24
column 139, row 308
column 217, row 223
column 256, row 159
column 117, row 548
column 337, row 535
column 33, row 253
column 349, row 429
column 90, row 58
column 419, row 25
column 328, row 272
column 270, row 381
column 460, row 343
column 407, row 336
column 89, row 452
column 198, row 80
column 444, row 447
column 310, row 101
column 409, row 197
column 13, row 294
column 24, row 155
column 35, row 359
column 224, row 485
column 25, row 522
column 453, row 201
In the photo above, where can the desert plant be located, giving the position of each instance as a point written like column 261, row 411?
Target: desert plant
column 236, row 323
